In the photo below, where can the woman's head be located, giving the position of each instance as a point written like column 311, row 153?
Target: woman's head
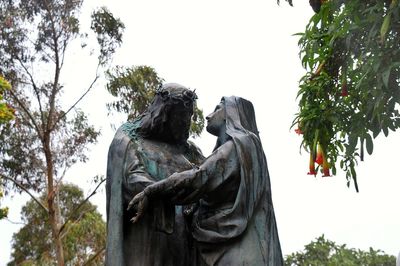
column 232, row 113
column 216, row 120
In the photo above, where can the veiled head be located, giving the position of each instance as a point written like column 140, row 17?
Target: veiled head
column 216, row 120
column 234, row 114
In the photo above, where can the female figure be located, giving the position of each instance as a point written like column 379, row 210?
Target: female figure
column 234, row 223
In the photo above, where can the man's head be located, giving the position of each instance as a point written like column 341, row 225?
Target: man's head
column 168, row 117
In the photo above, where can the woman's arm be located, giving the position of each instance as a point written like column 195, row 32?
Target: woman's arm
column 189, row 186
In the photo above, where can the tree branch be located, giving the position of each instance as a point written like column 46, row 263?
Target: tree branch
column 79, row 206
column 318, row 71
column 98, row 253
column 54, row 91
column 28, row 113
column 35, row 88
column 16, row 223
column 26, row 190
column 58, row 182
column 65, row 232
column 80, row 98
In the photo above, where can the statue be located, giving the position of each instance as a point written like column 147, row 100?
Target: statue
column 234, row 223
column 144, row 151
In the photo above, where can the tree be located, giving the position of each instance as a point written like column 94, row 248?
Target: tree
column 46, row 138
column 325, row 252
column 83, row 238
column 350, row 93
column 6, row 114
column 289, row 1
column 135, row 87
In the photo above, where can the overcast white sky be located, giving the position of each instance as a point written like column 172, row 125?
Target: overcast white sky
column 243, row 48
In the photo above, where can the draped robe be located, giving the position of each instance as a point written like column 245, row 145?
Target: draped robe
column 161, row 236
column 235, row 221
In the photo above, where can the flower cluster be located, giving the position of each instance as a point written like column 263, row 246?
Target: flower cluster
column 320, row 159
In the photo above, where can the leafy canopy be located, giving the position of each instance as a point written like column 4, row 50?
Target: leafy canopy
column 46, row 137
column 350, row 93
column 135, row 87
column 45, row 134
column 6, row 114
column 83, row 237
column 325, row 252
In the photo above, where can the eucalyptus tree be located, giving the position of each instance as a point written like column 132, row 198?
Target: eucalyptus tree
column 134, row 88
column 46, row 138
column 322, row 251
column 85, row 232
column 6, row 114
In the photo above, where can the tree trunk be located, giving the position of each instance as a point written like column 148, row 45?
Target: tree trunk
column 52, row 204
column 56, row 236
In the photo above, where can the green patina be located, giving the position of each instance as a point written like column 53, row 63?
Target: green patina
column 130, row 128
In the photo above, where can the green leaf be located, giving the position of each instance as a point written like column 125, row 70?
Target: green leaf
column 352, row 144
column 369, row 144
column 385, row 26
column 385, row 77
column 385, row 131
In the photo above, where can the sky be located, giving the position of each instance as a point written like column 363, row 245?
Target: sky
column 247, row 49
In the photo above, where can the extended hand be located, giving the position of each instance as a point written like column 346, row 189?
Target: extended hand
column 139, row 203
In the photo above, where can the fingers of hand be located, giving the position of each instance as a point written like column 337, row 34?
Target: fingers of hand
column 135, row 200
column 134, row 219
column 131, row 204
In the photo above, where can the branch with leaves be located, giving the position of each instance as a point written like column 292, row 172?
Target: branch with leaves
column 134, row 88
column 77, row 208
column 351, row 91
column 27, row 191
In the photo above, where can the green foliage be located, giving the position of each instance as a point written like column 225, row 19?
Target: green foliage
column 289, row 1
column 109, row 32
column 197, row 125
column 3, row 211
column 135, row 87
column 34, row 39
column 323, row 252
column 46, row 138
column 84, row 233
column 350, row 93
column 6, row 111
column 6, row 114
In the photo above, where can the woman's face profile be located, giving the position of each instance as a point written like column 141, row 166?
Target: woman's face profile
column 216, row 120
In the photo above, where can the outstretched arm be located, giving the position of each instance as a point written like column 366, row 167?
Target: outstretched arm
column 189, row 186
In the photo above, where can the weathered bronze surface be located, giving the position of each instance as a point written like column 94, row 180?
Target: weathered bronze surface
column 234, row 221
column 144, row 151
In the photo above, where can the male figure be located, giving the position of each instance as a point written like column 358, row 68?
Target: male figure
column 144, row 151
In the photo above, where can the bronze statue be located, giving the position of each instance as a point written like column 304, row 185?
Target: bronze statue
column 234, row 223
column 144, row 151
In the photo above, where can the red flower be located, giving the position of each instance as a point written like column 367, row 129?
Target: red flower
column 345, row 92
column 312, row 166
column 326, row 172
column 320, row 156
column 325, row 169
column 298, row 131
